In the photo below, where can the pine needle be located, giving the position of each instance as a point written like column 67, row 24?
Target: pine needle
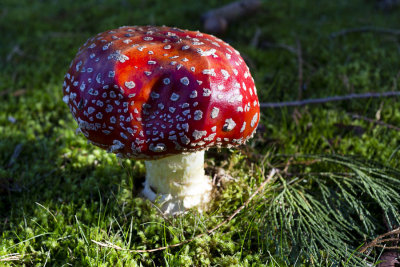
column 332, row 203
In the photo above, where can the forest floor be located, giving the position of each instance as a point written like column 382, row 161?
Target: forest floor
column 64, row 202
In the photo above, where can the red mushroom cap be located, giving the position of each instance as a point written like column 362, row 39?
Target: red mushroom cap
column 148, row 92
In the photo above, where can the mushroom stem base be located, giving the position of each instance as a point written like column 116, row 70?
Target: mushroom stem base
column 178, row 183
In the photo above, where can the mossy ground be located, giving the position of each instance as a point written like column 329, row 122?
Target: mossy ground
column 57, row 193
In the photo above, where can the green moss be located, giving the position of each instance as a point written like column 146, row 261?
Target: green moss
column 58, row 193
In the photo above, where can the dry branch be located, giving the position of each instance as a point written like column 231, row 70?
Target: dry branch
column 208, row 232
column 328, row 99
column 216, row 20
column 377, row 242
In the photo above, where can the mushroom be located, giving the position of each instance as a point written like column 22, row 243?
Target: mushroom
column 164, row 95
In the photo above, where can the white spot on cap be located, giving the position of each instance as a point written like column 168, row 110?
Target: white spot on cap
column 91, row 110
column 193, row 94
column 118, row 56
column 78, row 65
column 174, row 97
column 123, row 136
column 207, row 53
column 99, row 115
column 185, row 81
column 83, row 85
column 243, row 127
column 254, row 119
column 225, row 74
column 185, row 126
column 154, row 95
column 166, row 81
column 229, row 125
column 206, row 92
column 214, row 112
column 198, row 134
column 185, row 140
column 109, row 108
column 210, row 137
column 198, row 114
column 105, row 47
column 116, row 146
column 130, row 85
column 209, row 72
column 66, row 99
column 98, row 77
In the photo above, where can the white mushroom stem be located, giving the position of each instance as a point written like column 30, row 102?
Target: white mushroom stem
column 178, row 182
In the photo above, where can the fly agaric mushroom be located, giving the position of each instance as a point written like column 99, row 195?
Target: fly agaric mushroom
column 164, row 95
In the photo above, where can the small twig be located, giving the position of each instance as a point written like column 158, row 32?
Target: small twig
column 216, row 20
column 256, row 38
column 281, row 46
column 287, row 165
column 40, row 205
column 387, row 125
column 376, row 242
column 14, row 156
column 386, row 247
column 160, row 212
column 208, row 232
column 15, row 51
column 18, row 92
column 365, row 29
column 10, row 257
column 261, row 187
column 389, row 240
column 328, row 99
